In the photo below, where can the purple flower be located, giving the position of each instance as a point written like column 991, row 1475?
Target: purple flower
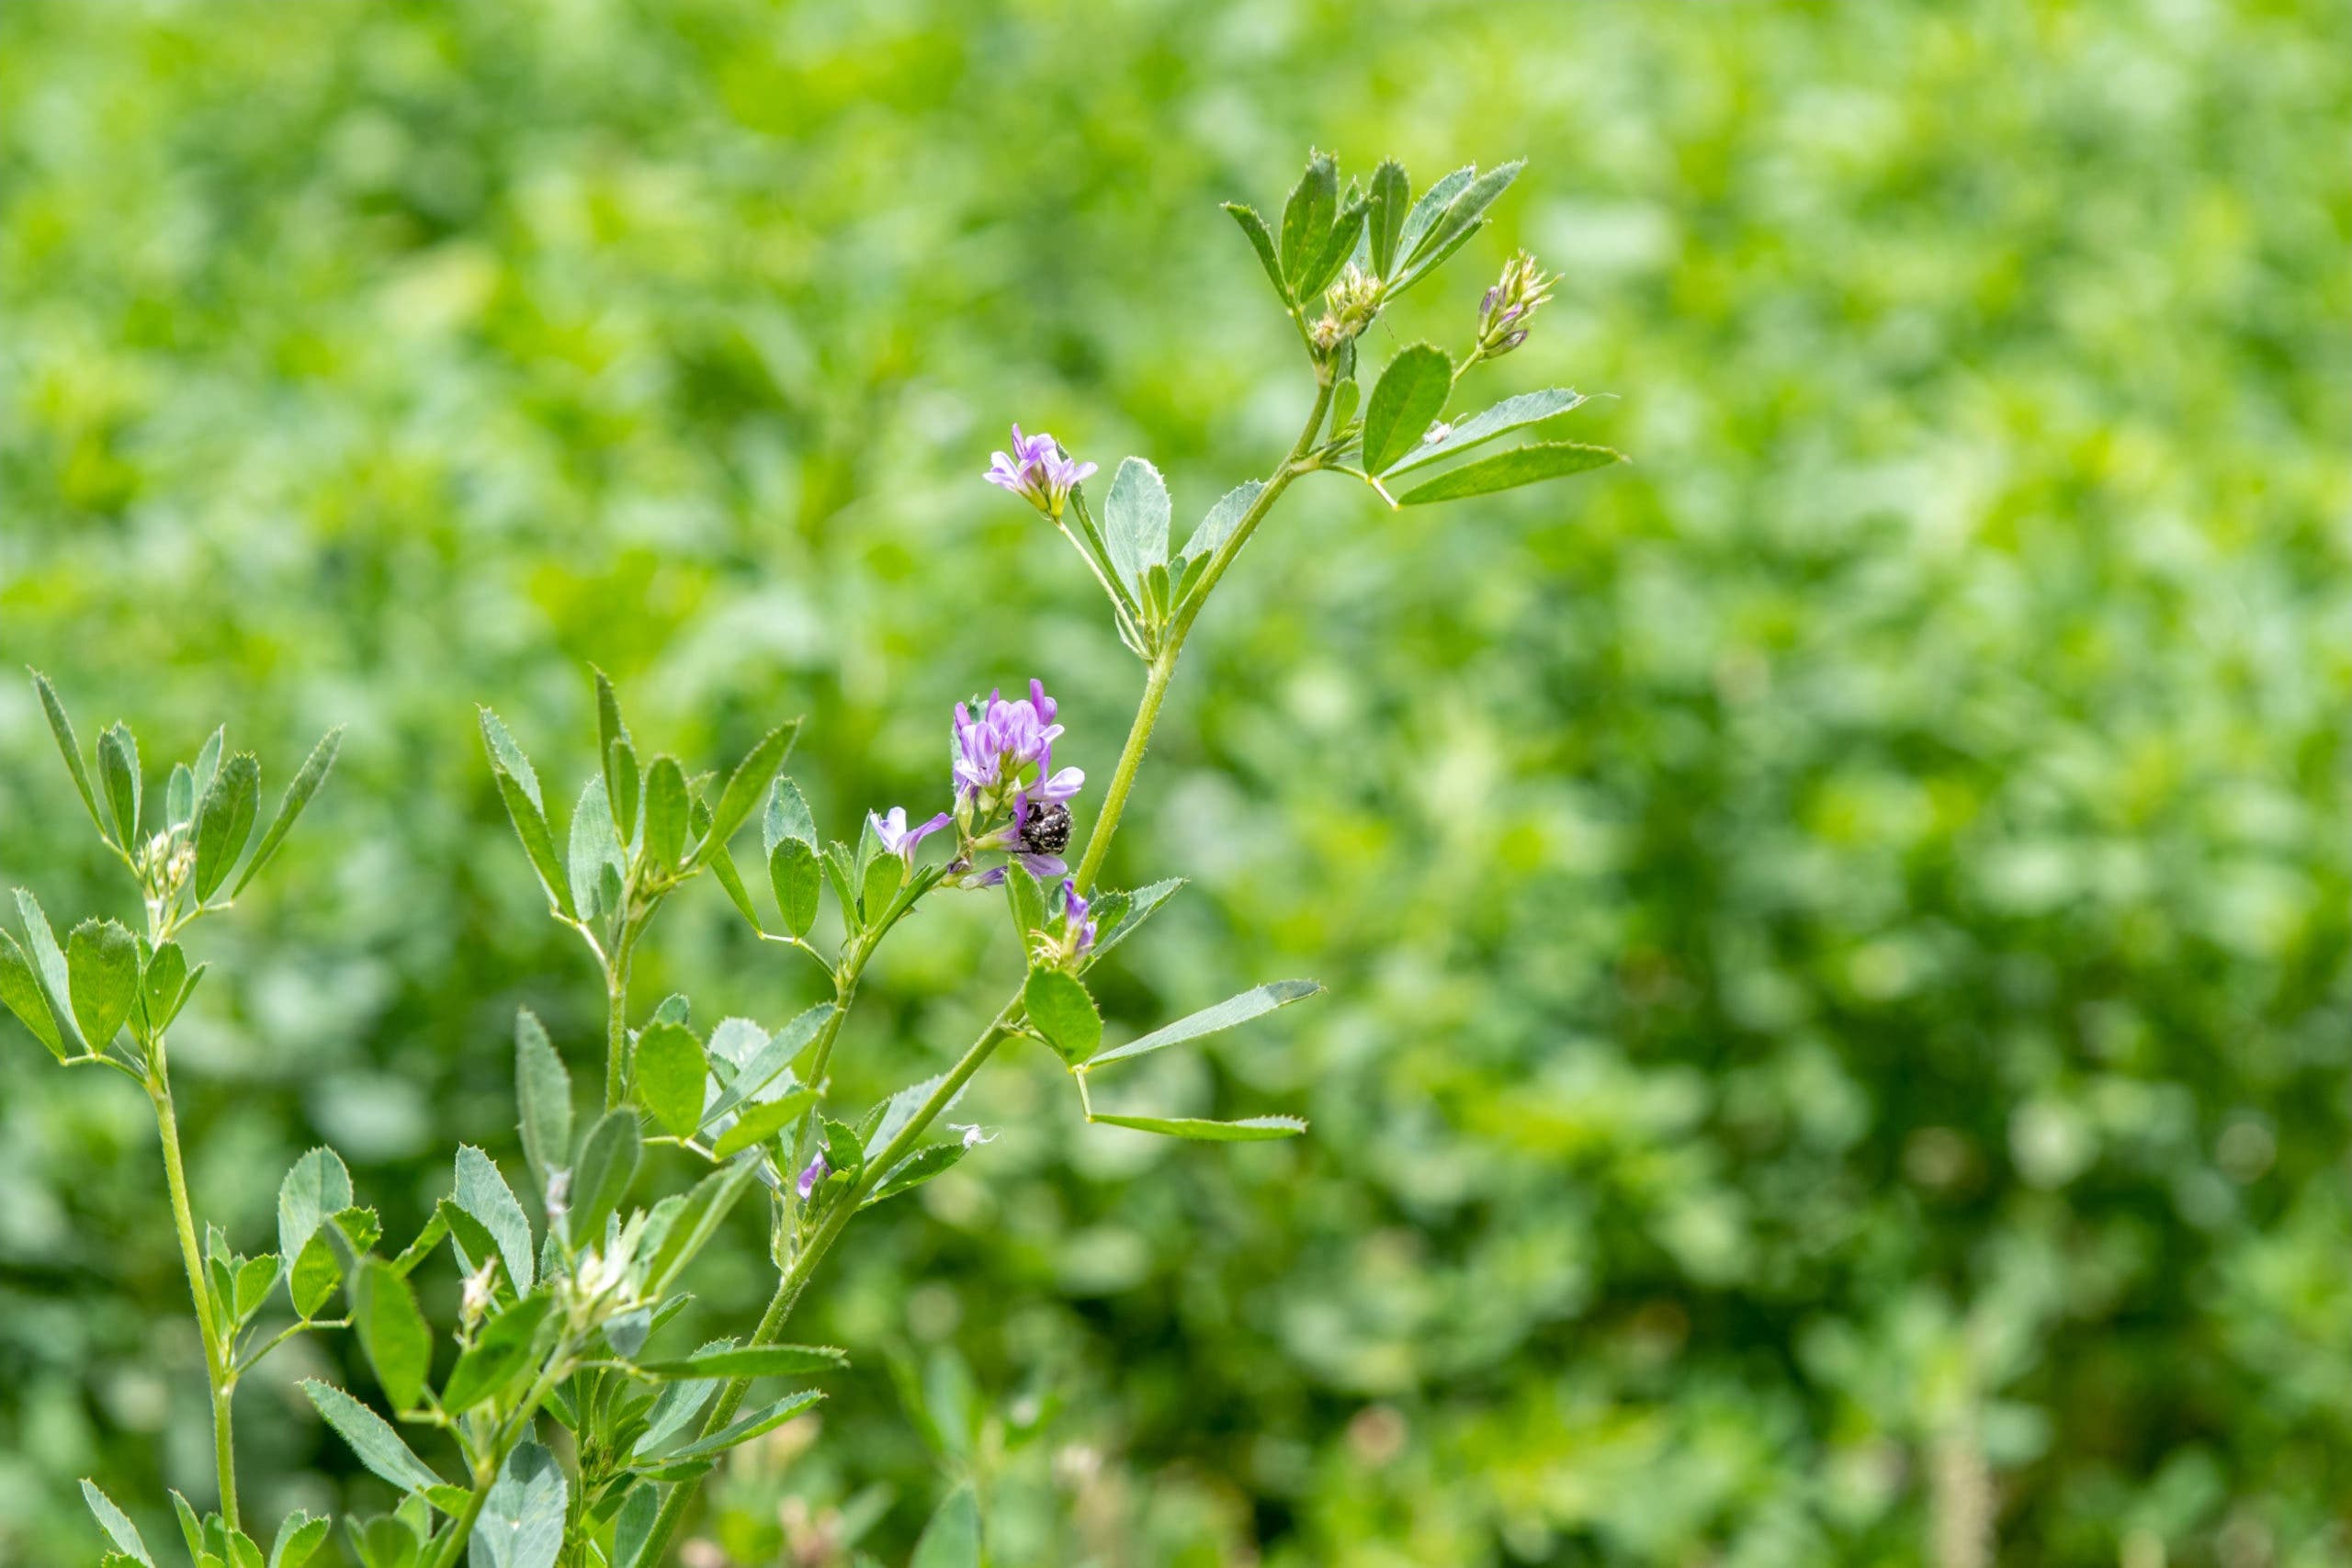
column 816, row 1171
column 1039, row 471
column 1008, row 750
column 900, row 840
column 1078, row 920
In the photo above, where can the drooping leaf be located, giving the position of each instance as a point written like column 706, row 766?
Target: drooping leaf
column 1256, row 1002
column 224, row 821
column 952, row 1538
column 1411, row 393
column 483, row 1192
column 298, row 795
column 20, row 990
column 543, row 1092
column 670, row 1070
column 68, row 747
column 752, row 1361
column 1251, row 1129
column 370, row 1437
column 1384, row 215
column 521, row 1525
column 118, row 781
column 598, row 867
column 746, row 787
column 1135, row 521
column 1511, row 413
column 1306, row 218
column 1253, row 228
column 501, row 1352
column 607, row 1166
column 1063, row 1012
column 116, row 1523
column 1507, row 470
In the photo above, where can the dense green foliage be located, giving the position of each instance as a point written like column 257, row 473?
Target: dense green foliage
column 1836, row 932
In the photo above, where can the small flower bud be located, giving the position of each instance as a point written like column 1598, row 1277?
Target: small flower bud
column 1508, row 308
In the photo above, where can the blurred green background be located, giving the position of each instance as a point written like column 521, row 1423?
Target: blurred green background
column 1841, row 1017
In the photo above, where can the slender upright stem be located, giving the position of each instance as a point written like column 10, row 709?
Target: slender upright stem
column 220, row 1377
column 617, row 1020
column 1157, row 673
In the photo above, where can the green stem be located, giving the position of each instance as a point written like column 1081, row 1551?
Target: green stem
column 1123, row 777
column 219, row 1376
column 616, row 1021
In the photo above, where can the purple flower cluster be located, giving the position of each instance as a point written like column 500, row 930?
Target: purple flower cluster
column 900, row 840
column 1004, row 760
column 1039, row 471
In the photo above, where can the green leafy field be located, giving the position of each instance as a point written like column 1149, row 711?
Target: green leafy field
column 1841, row 1026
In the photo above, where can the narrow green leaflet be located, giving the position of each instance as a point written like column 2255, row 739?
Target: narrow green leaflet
column 483, row 1192
column 20, row 992
column 697, row 1221
column 191, row 1527
column 598, row 868
column 952, row 1538
column 372, row 1437
column 392, row 1331
column 518, row 788
column 1134, row 521
column 1252, row 1129
column 543, row 1093
column 48, row 968
column 665, row 813
column 885, row 874
column 761, row 1121
column 915, row 1169
column 1063, row 1012
column 1261, row 240
column 751, row 1361
column 670, row 1070
column 1507, row 470
column 1256, row 1002
column 179, row 797
column 1433, row 201
column 1510, row 415
column 1340, row 244
column 787, row 816
column 298, row 795
column 1306, row 218
column 796, row 879
column 1028, row 899
column 618, row 755
column 521, row 1525
column 71, row 749
column 499, row 1353
column 102, row 969
column 116, row 1523
column 1384, row 212
column 730, row 882
column 160, row 988
column 758, row 1424
column 1223, row 518
column 746, row 787
column 1411, row 393
column 1466, row 207
column 1139, row 908
column 608, row 1165
column 256, row 1276
column 118, row 781
column 224, row 821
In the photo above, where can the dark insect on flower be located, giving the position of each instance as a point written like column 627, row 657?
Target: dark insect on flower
column 1047, row 830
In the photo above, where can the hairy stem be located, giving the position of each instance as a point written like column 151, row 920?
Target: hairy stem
column 1161, row 670
column 616, row 1021
column 220, row 1377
